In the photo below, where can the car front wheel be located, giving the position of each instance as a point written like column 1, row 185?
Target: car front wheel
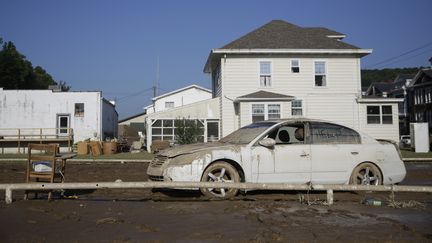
column 220, row 172
column 366, row 174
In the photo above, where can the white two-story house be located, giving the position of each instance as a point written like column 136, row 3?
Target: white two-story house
column 281, row 70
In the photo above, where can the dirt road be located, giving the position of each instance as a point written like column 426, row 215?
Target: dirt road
column 145, row 215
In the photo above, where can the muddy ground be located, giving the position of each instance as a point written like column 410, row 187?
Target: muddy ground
column 184, row 216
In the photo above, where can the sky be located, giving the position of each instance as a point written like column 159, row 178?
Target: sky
column 122, row 47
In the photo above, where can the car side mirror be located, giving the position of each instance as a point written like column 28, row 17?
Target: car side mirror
column 267, row 142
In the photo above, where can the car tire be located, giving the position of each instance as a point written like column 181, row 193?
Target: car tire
column 220, row 172
column 366, row 174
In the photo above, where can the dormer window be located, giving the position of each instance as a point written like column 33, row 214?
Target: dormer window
column 295, row 66
column 265, row 74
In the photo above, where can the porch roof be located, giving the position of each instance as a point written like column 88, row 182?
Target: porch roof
column 262, row 95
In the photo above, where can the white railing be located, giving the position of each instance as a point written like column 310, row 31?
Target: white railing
column 9, row 188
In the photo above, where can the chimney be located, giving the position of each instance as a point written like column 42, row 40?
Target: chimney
column 384, row 94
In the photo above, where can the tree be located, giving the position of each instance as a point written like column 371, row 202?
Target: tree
column 187, row 131
column 16, row 72
column 384, row 75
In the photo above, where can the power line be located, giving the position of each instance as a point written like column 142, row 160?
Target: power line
column 410, row 57
column 400, row 55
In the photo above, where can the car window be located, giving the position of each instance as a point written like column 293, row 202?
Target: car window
column 247, row 133
column 288, row 134
column 326, row 133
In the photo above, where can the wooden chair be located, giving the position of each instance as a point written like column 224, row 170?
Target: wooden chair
column 44, row 165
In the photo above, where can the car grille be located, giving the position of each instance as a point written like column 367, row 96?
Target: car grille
column 156, row 178
column 158, row 161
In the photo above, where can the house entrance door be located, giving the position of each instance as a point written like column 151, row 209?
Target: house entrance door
column 63, row 124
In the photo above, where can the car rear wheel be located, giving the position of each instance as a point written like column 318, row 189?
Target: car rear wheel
column 366, row 174
column 220, row 172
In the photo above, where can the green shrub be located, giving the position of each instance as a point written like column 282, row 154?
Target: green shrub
column 187, row 131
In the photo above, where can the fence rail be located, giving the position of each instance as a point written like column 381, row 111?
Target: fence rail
column 9, row 188
column 41, row 135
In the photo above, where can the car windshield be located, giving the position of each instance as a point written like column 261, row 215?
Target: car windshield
column 246, row 134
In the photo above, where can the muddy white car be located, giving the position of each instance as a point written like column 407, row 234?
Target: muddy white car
column 293, row 151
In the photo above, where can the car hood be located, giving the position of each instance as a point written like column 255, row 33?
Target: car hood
column 194, row 148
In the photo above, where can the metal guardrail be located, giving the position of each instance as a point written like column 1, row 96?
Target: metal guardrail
column 9, row 188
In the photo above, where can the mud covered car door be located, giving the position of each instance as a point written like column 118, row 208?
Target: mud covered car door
column 335, row 150
column 287, row 161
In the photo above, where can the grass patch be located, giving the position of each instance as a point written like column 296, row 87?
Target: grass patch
column 411, row 154
column 140, row 155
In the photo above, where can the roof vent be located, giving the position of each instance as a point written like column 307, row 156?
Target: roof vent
column 55, row 88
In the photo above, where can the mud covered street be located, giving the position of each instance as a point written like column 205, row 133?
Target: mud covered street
column 183, row 216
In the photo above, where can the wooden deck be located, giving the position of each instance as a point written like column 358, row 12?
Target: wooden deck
column 19, row 138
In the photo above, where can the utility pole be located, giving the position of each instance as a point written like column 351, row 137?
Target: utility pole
column 156, row 82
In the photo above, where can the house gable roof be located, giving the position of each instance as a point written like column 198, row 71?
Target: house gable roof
column 180, row 90
column 132, row 117
column 281, row 37
column 279, row 34
column 264, row 95
column 423, row 76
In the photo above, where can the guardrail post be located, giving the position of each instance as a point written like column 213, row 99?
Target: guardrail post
column 8, row 195
column 329, row 197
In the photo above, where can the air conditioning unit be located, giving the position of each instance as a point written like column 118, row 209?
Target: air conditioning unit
column 420, row 137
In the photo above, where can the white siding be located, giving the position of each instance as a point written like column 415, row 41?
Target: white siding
column 39, row 109
column 240, row 76
column 184, row 97
column 340, row 108
column 383, row 131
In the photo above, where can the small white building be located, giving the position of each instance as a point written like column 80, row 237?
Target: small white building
column 85, row 114
column 193, row 103
column 179, row 97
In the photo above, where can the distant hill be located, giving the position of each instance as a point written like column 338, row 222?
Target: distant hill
column 384, row 75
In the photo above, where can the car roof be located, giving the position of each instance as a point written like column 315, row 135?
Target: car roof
column 300, row 119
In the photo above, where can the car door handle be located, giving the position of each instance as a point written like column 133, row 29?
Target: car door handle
column 304, row 154
column 354, row 152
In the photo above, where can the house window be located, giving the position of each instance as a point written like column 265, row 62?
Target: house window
column 387, row 116
column 320, row 74
column 212, row 131
column 261, row 112
column 169, row 104
column 295, row 67
column 273, row 111
column 296, row 108
column 258, row 112
column 79, row 109
column 379, row 114
column 265, row 74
